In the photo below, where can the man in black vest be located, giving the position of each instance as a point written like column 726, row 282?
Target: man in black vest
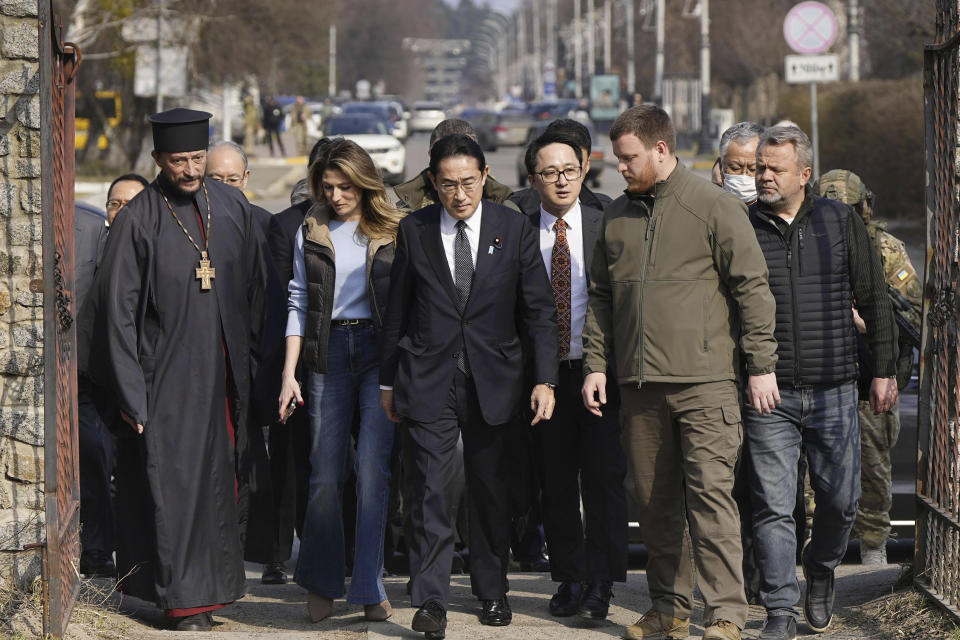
column 580, row 453
column 467, row 281
column 821, row 260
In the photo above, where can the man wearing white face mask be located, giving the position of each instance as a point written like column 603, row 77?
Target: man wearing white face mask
column 738, row 160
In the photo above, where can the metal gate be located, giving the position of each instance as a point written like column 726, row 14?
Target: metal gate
column 61, row 551
column 938, row 470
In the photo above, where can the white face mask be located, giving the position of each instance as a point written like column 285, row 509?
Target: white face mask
column 744, row 187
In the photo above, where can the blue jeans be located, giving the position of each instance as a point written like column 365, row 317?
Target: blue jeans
column 351, row 382
column 824, row 421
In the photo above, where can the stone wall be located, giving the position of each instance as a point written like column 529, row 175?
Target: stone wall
column 21, row 299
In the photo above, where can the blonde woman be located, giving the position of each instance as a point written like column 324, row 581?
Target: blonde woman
column 341, row 277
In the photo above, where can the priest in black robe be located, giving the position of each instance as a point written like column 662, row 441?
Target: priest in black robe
column 177, row 306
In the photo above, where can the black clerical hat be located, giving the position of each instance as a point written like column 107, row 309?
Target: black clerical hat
column 178, row 130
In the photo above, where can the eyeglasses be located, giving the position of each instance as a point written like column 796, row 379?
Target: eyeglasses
column 233, row 181
column 467, row 185
column 549, row 176
column 116, row 204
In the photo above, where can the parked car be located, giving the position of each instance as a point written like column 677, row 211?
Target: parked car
column 484, row 122
column 512, row 126
column 426, row 116
column 372, row 135
column 596, row 153
column 389, row 112
column 553, row 109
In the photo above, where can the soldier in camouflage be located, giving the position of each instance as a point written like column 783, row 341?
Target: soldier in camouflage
column 878, row 431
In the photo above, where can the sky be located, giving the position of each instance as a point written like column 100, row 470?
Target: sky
column 503, row 6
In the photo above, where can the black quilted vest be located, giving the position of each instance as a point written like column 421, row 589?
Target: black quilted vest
column 810, row 280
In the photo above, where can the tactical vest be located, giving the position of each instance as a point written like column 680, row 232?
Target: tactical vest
column 810, row 280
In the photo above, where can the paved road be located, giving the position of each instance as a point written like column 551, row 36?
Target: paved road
column 280, row 612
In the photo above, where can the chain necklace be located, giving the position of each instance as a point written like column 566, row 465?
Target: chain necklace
column 204, row 273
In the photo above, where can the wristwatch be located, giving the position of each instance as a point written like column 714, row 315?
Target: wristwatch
column 548, row 385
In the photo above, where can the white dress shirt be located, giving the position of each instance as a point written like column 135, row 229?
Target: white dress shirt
column 448, row 236
column 578, row 273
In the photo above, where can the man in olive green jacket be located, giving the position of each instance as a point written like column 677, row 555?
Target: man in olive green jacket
column 679, row 286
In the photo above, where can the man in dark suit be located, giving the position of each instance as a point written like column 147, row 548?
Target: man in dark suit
column 467, row 275
column 96, row 444
column 580, row 453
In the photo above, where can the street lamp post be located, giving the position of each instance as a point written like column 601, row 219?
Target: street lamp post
column 706, row 143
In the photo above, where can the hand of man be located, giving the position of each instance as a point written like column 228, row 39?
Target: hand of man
column 763, row 393
column 858, row 322
column 136, row 426
column 386, row 401
column 594, row 392
column 883, row 394
column 541, row 403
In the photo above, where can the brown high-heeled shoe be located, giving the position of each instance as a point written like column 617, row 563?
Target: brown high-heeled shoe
column 318, row 607
column 377, row 612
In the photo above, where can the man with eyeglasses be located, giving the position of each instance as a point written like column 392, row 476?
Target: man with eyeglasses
column 580, row 453
column 227, row 163
column 121, row 191
column 467, row 282
column 96, row 444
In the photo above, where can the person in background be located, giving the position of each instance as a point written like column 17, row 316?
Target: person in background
column 122, row 190
column 96, row 446
column 272, row 124
column 338, row 295
column 878, row 431
column 299, row 116
column 738, row 160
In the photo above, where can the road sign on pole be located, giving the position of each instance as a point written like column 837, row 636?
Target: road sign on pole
column 803, row 69
column 810, row 27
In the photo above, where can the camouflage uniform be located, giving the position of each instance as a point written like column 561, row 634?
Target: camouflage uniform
column 299, row 115
column 251, row 123
column 878, row 432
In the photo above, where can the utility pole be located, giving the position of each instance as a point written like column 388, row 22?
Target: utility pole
column 853, row 37
column 706, row 143
column 631, row 52
column 227, row 104
column 332, row 79
column 658, row 60
column 522, row 48
column 577, row 50
column 537, row 61
column 591, row 41
column 159, row 68
column 552, row 31
column 607, row 35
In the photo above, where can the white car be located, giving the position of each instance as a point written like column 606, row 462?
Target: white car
column 371, row 134
column 425, row 116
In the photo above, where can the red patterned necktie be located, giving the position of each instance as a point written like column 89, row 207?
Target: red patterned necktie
column 560, row 280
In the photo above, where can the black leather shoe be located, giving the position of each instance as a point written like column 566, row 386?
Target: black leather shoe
column 818, row 601
column 196, row 622
column 566, row 601
column 431, row 619
column 779, row 628
column 94, row 569
column 496, row 613
column 273, row 573
column 539, row 564
column 596, row 600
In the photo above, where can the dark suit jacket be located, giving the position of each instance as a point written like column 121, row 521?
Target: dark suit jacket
column 89, row 236
column 422, row 328
column 283, row 235
column 592, row 220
